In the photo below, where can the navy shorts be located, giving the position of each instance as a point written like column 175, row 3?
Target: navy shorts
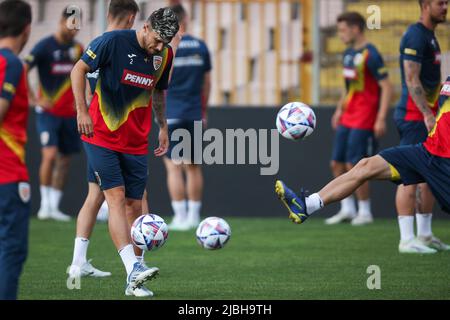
column 111, row 169
column 57, row 131
column 411, row 132
column 352, row 145
column 413, row 164
column 179, row 153
column 14, row 220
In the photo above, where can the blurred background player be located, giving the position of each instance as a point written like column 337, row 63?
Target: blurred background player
column 56, row 123
column 420, row 63
column 409, row 164
column 121, row 16
column 360, row 116
column 187, row 98
column 15, row 28
column 134, row 72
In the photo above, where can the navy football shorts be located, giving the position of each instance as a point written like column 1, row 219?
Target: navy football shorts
column 413, row 164
column 111, row 169
column 411, row 132
column 57, row 131
column 179, row 153
column 352, row 145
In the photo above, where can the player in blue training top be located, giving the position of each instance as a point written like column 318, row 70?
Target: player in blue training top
column 420, row 63
column 187, row 98
column 54, row 57
column 134, row 72
column 15, row 27
column 121, row 16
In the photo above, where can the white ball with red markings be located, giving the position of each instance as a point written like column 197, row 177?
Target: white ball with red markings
column 213, row 233
column 149, row 232
column 296, row 121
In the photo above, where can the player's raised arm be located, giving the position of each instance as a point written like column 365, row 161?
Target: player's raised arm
column 78, row 78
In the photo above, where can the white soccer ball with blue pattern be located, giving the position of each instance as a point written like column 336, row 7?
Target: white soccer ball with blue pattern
column 296, row 121
column 149, row 232
column 213, row 233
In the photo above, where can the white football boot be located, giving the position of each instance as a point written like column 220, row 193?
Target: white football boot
column 44, row 213
column 59, row 216
column 87, row 270
column 414, row 246
column 362, row 219
column 434, row 243
column 138, row 291
column 339, row 217
column 179, row 224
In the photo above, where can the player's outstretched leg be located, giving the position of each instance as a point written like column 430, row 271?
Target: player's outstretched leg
column 300, row 208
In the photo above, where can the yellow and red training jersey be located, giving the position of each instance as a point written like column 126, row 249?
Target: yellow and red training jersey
column 13, row 128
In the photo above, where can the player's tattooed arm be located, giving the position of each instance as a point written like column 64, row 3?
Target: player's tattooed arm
column 417, row 92
column 159, row 106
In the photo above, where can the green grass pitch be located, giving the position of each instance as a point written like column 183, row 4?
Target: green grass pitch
column 265, row 259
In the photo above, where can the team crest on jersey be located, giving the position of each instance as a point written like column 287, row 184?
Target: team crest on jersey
column 24, row 191
column 446, row 89
column 157, row 62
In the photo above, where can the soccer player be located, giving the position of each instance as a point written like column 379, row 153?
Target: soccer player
column 420, row 63
column 15, row 27
column 134, row 72
column 56, row 123
column 187, row 98
column 410, row 164
column 360, row 117
column 121, row 16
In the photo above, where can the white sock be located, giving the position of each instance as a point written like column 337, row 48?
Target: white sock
column 128, row 257
column 364, row 208
column 313, row 203
column 80, row 251
column 55, row 198
column 179, row 209
column 423, row 221
column 141, row 257
column 45, row 197
column 194, row 210
column 348, row 204
column 406, row 224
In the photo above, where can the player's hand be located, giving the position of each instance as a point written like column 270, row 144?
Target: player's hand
column 44, row 103
column 85, row 126
column 336, row 118
column 163, row 142
column 379, row 128
column 430, row 121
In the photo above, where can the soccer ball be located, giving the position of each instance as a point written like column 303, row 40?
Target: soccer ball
column 213, row 233
column 296, row 121
column 149, row 232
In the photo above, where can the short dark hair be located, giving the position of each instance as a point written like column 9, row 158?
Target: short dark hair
column 119, row 9
column 353, row 19
column 165, row 23
column 179, row 11
column 15, row 16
